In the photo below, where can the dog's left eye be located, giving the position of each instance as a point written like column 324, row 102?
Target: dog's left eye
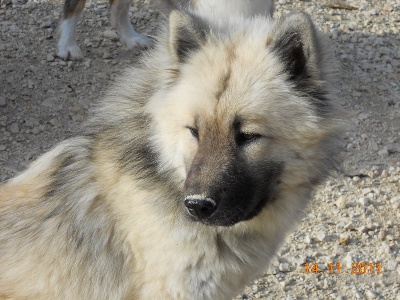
column 194, row 131
column 244, row 138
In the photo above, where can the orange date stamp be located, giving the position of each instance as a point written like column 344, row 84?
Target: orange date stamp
column 357, row 268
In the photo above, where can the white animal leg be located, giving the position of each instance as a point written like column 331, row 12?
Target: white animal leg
column 120, row 20
column 67, row 48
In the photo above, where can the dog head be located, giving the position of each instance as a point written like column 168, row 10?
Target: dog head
column 244, row 114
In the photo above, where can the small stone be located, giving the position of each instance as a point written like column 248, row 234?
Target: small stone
column 390, row 237
column 321, row 236
column 350, row 226
column 373, row 12
column 344, row 239
column 87, row 43
column 107, row 55
column 31, row 122
column 31, row 84
column 390, row 148
column 284, row 267
column 46, row 24
column 78, row 110
column 111, row 35
column 3, row 147
column 389, row 224
column 334, row 295
column 37, row 129
column 50, row 57
column 3, row 101
column 307, row 239
column 395, row 201
column 382, row 235
column 14, row 128
column 272, row 270
column 384, row 151
column 374, row 145
column 370, row 295
column 385, row 248
column 87, row 63
column 348, row 260
column 364, row 201
column 55, row 122
column 392, row 265
column 49, row 102
column 387, row 7
column 341, row 202
column 363, row 116
column 366, row 191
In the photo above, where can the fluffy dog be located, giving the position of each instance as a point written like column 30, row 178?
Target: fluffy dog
column 189, row 174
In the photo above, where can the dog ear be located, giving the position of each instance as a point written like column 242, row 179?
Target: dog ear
column 186, row 35
column 298, row 46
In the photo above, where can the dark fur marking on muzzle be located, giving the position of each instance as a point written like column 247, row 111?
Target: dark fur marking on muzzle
column 240, row 191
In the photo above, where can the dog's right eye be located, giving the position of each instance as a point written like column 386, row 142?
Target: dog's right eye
column 244, row 138
column 194, row 132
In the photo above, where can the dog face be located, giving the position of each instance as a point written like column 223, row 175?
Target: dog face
column 244, row 118
column 228, row 179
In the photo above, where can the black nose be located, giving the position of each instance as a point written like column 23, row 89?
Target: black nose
column 200, row 208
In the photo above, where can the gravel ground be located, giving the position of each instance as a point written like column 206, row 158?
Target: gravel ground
column 355, row 216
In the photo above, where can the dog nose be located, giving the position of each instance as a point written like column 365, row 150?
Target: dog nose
column 200, row 208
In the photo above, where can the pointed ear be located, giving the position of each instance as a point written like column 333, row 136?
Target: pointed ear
column 298, row 46
column 186, row 35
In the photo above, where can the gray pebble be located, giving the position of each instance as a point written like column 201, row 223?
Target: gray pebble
column 50, row 57
column 370, row 295
column 3, row 101
column 385, row 248
column 392, row 265
column 321, row 236
column 364, row 201
column 284, row 267
column 87, row 63
column 14, row 128
column 341, row 202
column 111, row 35
column 107, row 55
column 350, row 226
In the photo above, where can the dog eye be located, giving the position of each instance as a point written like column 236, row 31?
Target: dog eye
column 194, row 132
column 245, row 138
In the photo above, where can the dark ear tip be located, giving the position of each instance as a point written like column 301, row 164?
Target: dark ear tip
column 299, row 17
column 297, row 45
column 300, row 21
column 185, row 35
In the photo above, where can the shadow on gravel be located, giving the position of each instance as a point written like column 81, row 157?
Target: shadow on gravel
column 44, row 99
column 369, row 79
